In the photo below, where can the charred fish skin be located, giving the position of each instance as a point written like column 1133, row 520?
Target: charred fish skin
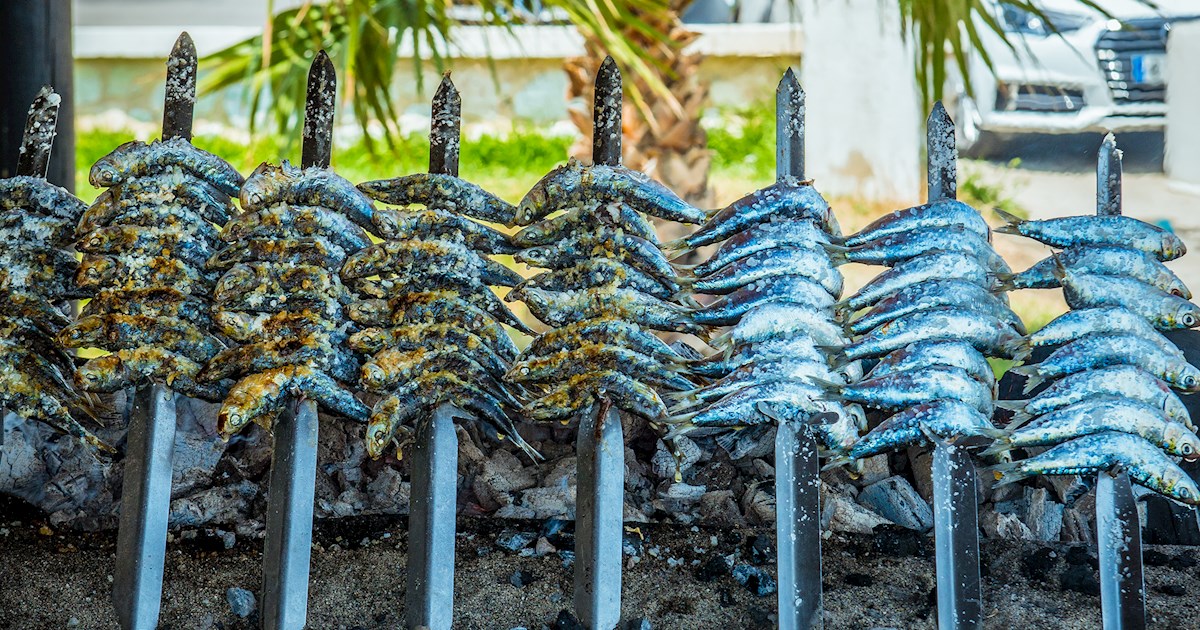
column 1097, row 351
column 25, row 227
column 129, row 367
column 315, row 186
column 1103, row 452
column 315, row 350
column 1100, row 260
column 36, row 195
column 785, row 201
column 579, row 392
column 316, row 250
column 137, row 241
column 1163, row 310
column 471, row 299
column 593, row 356
column 939, row 214
column 259, row 397
column 407, row 258
column 439, row 224
column 573, row 184
column 279, row 280
column 150, row 302
column 586, row 218
column 1126, row 381
column 1106, row 413
column 126, row 273
column 246, row 327
column 763, row 237
column 609, row 331
column 562, row 308
column 1078, row 323
column 292, row 221
column 932, row 266
column 890, row 250
column 608, row 244
column 955, row 293
column 172, row 215
column 946, row 418
column 1117, row 230
column 122, row 332
column 594, row 273
column 172, row 187
column 487, row 333
column 137, row 159
column 436, row 190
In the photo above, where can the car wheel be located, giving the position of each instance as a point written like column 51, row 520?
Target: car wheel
column 972, row 141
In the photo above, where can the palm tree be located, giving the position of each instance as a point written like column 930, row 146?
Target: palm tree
column 646, row 37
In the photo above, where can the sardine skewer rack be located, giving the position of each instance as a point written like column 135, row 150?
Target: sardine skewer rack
column 150, row 446
column 797, row 465
column 1118, row 527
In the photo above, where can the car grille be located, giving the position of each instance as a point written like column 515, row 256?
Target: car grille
column 1115, row 51
column 1038, row 98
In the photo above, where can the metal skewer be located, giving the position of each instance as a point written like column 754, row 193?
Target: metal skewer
column 33, row 160
column 797, row 466
column 955, row 500
column 1118, row 527
column 600, row 445
column 150, row 445
column 429, row 593
column 288, row 546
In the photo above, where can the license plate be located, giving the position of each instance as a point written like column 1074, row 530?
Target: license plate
column 1149, row 68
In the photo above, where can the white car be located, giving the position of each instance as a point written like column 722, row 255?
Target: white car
column 1096, row 73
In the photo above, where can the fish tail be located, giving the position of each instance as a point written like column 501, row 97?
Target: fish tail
column 682, row 418
column 1008, row 472
column 1000, row 446
column 838, row 254
column 833, row 390
column 1001, row 281
column 679, row 245
column 723, row 341
column 837, row 462
column 835, row 356
column 1012, row 405
column 1019, row 349
column 1012, row 222
column 1032, row 380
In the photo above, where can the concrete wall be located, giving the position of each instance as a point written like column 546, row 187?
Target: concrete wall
column 1182, row 161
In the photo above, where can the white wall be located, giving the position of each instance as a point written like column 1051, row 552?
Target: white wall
column 864, row 135
column 1182, row 161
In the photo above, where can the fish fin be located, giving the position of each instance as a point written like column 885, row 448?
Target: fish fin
column 829, row 387
column 1012, row 405
column 723, row 341
column 1030, row 372
column 1019, row 349
column 684, row 267
column 1059, row 270
column 838, row 254
column 1000, row 446
column 679, row 245
column 837, row 462
column 1006, row 473
column 1012, row 221
column 682, row 418
column 1002, row 282
column 835, row 356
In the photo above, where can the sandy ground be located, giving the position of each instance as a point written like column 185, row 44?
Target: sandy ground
column 63, row 580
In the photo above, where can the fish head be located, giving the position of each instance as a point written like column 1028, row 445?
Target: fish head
column 528, row 209
column 373, row 376
column 358, row 264
column 1186, row 315
column 105, row 172
column 95, row 270
column 368, row 340
column 1180, row 441
column 386, row 222
column 380, row 429
column 1188, row 377
column 86, row 330
column 102, row 374
column 1180, row 486
column 1172, row 246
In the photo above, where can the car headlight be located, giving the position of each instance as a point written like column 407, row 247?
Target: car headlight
column 1018, row 20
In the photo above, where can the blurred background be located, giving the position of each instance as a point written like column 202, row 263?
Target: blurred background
column 1032, row 85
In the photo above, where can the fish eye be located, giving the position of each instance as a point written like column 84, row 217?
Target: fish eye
column 235, row 419
column 1189, row 382
column 379, row 435
column 1188, row 319
column 1187, row 450
column 1185, row 494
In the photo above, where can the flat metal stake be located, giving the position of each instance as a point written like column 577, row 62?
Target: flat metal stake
column 606, row 115
column 798, row 527
column 1119, row 536
column 429, row 598
column 956, row 538
column 941, row 155
column 145, row 508
column 599, row 517
column 288, row 546
column 146, row 502
column 789, row 128
column 1108, row 177
column 429, row 594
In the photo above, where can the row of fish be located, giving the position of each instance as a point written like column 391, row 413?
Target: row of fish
column 146, row 242
column 431, row 320
column 37, row 278
column 1102, row 396
column 774, row 282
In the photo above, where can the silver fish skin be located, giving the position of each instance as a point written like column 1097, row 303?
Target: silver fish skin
column 1145, row 463
column 27, row 228
column 586, row 218
column 786, row 201
column 599, row 272
column 944, row 418
column 890, row 250
column 923, row 354
column 439, row 224
column 39, row 196
column 932, row 266
column 776, row 320
column 293, row 221
column 840, row 435
column 446, row 192
column 1097, row 351
column 945, row 213
column 313, row 186
column 799, row 348
column 1104, row 413
column 138, row 159
column 1127, row 381
column 767, row 264
column 603, row 243
column 1163, row 310
column 898, row 390
column 1076, row 324
column 1100, row 260
column 787, row 400
column 559, row 308
column 955, row 293
column 989, row 335
column 1120, row 230
column 763, row 237
column 750, row 375
column 779, row 289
